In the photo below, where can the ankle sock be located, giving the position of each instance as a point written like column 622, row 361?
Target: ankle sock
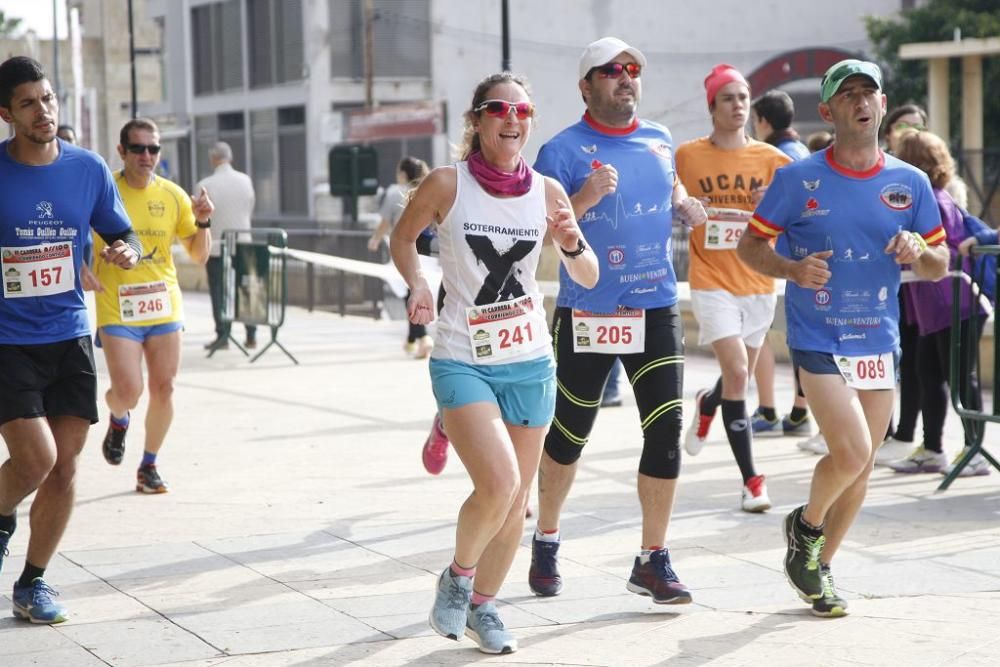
column 644, row 553
column 710, row 402
column 767, row 413
column 546, row 535
column 479, row 598
column 148, row 459
column 8, row 523
column 120, row 422
column 30, row 573
column 459, row 571
column 797, row 414
column 808, row 528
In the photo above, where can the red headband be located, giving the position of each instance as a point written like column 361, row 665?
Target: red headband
column 720, row 76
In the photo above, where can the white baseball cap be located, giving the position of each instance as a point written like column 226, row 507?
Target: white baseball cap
column 604, row 51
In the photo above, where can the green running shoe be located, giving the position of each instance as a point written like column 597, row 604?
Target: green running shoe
column 802, row 558
column 830, row 605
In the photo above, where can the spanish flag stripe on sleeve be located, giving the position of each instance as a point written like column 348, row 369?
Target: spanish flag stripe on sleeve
column 762, row 227
column 935, row 236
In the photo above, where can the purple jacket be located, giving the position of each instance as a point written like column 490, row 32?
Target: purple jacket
column 929, row 305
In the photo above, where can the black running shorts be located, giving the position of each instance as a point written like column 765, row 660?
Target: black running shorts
column 48, row 380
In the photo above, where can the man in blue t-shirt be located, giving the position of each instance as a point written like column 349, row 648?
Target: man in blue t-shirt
column 51, row 194
column 852, row 215
column 619, row 172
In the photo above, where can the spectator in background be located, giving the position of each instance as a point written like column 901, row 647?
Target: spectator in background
column 772, row 117
column 234, row 197
column 817, row 141
column 409, row 172
column 66, row 133
column 930, row 305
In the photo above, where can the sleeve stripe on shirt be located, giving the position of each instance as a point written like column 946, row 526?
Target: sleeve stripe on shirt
column 764, row 228
column 935, row 236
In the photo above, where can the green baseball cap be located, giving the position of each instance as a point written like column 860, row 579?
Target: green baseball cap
column 839, row 73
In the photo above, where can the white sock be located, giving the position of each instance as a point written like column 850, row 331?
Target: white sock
column 546, row 537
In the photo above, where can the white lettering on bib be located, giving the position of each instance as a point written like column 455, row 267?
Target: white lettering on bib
column 38, row 270
column 144, row 301
column 621, row 332
column 724, row 228
column 508, row 329
column 873, row 371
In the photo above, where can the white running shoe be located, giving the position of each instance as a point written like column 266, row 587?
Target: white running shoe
column 921, row 460
column 892, row 450
column 976, row 467
column 814, row 445
column 755, row 495
column 697, row 433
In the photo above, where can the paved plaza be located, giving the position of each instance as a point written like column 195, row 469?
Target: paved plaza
column 301, row 529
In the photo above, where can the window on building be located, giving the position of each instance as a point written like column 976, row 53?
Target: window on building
column 264, row 160
column 401, row 35
column 278, row 161
column 275, row 29
column 217, row 47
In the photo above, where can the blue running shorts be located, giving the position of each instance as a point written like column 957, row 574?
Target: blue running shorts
column 525, row 391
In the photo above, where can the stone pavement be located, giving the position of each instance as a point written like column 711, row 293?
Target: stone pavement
column 301, row 529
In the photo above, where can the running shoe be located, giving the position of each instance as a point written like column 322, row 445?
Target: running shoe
column 976, row 467
column 829, row 604
column 801, row 427
column 761, row 425
column 435, row 453
column 114, row 443
column 543, row 575
column 424, row 346
column 483, row 625
column 34, row 603
column 814, row 445
column 921, row 460
column 410, row 347
column 4, row 541
column 451, row 604
column 657, row 579
column 892, row 450
column 147, row 480
column 698, row 432
column 755, row 495
column 802, row 558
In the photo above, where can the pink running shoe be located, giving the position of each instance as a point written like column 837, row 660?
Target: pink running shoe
column 435, row 453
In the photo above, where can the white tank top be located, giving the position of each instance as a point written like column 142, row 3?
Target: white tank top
column 490, row 248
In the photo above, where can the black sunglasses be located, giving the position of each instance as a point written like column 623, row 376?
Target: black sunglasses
column 139, row 149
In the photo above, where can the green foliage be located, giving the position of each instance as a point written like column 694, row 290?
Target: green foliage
column 8, row 26
column 935, row 21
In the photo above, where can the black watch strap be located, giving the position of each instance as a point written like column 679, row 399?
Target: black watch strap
column 203, row 225
column 580, row 248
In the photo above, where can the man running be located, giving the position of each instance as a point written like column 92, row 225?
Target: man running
column 140, row 315
column 734, row 306
column 619, row 173
column 852, row 215
column 51, row 194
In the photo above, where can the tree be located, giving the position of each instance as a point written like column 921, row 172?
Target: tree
column 8, row 26
column 936, row 21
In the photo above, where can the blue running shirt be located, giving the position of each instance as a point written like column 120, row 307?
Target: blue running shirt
column 51, row 205
column 821, row 205
column 629, row 229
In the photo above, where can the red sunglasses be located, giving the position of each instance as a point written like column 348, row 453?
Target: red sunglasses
column 614, row 70
column 501, row 108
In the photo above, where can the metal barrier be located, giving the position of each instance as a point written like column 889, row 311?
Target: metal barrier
column 255, row 283
column 973, row 421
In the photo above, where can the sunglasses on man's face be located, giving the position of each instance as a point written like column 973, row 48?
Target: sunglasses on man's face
column 614, row 70
column 501, row 108
column 139, row 149
column 903, row 125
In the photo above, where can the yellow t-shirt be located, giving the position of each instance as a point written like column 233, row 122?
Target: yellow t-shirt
column 147, row 294
column 725, row 179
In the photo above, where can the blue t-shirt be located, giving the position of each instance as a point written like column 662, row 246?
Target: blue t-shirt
column 820, row 205
column 628, row 229
column 793, row 148
column 53, row 204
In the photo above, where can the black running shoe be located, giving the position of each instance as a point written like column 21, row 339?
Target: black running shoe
column 830, row 605
column 4, row 540
column 802, row 558
column 114, row 443
column 147, row 480
column 543, row 577
column 657, row 579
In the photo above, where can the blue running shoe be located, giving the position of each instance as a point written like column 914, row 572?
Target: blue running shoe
column 486, row 629
column 4, row 540
column 801, row 427
column 761, row 425
column 34, row 603
column 451, row 604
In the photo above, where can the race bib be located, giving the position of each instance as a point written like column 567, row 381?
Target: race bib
column 144, row 301
column 874, row 371
column 506, row 330
column 38, row 270
column 724, row 228
column 621, row 332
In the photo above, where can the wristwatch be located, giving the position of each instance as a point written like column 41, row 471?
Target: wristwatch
column 580, row 248
column 203, row 225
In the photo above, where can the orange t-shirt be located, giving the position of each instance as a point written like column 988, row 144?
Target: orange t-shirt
column 725, row 179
